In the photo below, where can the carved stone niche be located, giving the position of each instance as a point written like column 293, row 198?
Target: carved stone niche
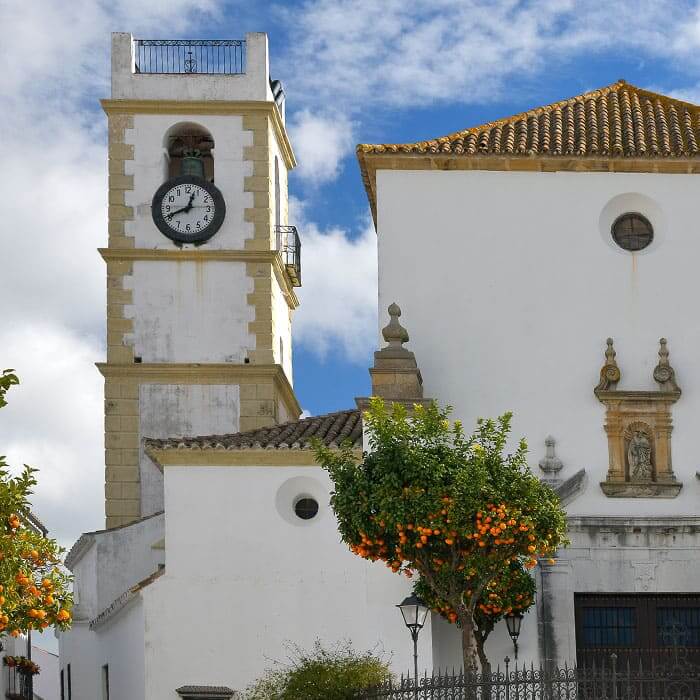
column 639, row 425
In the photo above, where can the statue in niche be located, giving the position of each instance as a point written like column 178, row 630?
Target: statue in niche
column 639, row 457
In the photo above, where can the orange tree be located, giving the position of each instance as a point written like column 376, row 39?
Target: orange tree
column 34, row 588
column 455, row 510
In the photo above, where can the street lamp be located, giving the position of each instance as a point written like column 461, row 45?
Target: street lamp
column 414, row 612
column 513, row 622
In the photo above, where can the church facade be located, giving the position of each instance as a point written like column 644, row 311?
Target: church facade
column 543, row 264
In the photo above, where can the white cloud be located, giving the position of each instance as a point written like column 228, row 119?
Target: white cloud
column 53, row 421
column 321, row 141
column 338, row 309
column 53, row 198
column 356, row 53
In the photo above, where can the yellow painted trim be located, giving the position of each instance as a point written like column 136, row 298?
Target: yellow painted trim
column 206, row 373
column 236, row 458
column 208, row 107
column 273, row 257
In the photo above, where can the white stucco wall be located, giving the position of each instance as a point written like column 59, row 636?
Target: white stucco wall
column 251, row 85
column 509, row 285
column 246, row 584
column 46, row 685
column 175, row 410
column 190, row 311
column 121, row 644
column 282, row 323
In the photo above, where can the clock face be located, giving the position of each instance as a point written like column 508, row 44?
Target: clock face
column 188, row 209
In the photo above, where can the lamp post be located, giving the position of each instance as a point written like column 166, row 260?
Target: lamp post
column 513, row 622
column 414, row 612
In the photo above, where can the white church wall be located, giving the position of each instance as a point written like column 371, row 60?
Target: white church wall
column 126, row 556
column 81, row 650
column 509, row 285
column 174, row 410
column 85, row 596
column 46, row 683
column 190, row 311
column 150, row 169
column 121, row 644
column 260, row 578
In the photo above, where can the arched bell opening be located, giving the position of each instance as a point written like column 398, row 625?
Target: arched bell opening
column 190, row 149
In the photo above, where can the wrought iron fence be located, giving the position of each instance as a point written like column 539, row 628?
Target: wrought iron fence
column 289, row 246
column 673, row 676
column 223, row 56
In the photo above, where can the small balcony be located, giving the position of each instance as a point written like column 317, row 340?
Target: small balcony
column 19, row 684
column 289, row 247
column 189, row 56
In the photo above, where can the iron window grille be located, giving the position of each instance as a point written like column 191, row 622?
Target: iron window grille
column 632, row 231
column 178, row 56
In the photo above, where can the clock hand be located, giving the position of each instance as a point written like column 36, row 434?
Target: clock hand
column 177, row 211
column 185, row 209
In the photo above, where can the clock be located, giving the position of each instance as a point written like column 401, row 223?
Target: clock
column 188, row 209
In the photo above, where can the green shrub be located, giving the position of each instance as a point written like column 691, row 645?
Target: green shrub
column 337, row 673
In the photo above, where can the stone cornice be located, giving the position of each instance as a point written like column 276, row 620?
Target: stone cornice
column 208, row 107
column 203, row 373
column 582, row 522
column 272, row 257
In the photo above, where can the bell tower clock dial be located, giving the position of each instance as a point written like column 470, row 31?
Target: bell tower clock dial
column 188, row 209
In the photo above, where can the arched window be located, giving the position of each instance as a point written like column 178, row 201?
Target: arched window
column 186, row 139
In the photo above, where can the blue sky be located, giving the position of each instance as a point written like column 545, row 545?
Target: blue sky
column 354, row 71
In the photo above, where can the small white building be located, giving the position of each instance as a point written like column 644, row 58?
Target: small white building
column 515, row 249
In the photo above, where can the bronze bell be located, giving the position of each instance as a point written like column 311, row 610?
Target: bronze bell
column 192, row 163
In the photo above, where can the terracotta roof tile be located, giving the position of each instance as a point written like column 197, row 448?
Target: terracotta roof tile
column 333, row 429
column 616, row 120
column 619, row 121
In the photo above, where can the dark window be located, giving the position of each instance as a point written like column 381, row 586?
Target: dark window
column 632, row 231
column 105, row 682
column 306, row 508
column 678, row 627
column 608, row 626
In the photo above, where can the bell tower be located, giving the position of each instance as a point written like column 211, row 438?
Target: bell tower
column 202, row 263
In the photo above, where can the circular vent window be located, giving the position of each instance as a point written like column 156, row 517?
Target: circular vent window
column 632, row 231
column 306, row 508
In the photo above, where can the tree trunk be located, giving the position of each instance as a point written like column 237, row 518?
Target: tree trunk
column 469, row 646
column 483, row 659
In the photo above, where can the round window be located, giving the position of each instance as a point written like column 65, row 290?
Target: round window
column 632, row 231
column 306, row 508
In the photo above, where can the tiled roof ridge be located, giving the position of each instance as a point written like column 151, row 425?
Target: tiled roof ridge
column 332, row 429
column 119, row 603
column 437, row 145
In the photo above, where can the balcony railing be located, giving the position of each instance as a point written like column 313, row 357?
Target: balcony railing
column 206, row 56
column 19, row 685
column 289, row 246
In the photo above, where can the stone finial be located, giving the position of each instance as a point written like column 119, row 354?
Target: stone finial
column 610, row 372
column 394, row 333
column 550, row 464
column 395, row 375
column 664, row 374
